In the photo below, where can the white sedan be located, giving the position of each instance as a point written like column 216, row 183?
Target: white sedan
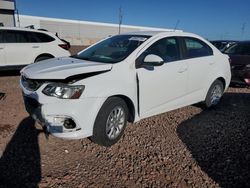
column 123, row 78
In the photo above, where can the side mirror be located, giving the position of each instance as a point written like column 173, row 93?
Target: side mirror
column 153, row 60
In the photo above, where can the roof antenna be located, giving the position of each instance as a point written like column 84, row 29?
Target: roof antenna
column 176, row 25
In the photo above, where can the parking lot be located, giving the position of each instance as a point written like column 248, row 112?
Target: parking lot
column 188, row 147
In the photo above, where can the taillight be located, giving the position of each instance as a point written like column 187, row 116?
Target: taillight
column 247, row 80
column 64, row 46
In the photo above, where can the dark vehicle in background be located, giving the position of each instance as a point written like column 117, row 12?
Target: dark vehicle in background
column 239, row 54
column 223, row 44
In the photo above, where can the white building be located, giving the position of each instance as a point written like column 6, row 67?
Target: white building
column 7, row 11
column 78, row 32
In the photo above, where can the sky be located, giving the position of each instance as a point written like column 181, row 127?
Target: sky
column 212, row 19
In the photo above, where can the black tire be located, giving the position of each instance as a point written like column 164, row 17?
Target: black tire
column 101, row 135
column 210, row 100
column 42, row 58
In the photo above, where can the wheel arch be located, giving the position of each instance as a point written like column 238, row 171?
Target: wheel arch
column 44, row 55
column 130, row 105
column 222, row 80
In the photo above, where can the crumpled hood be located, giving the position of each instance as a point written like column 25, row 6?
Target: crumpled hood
column 61, row 68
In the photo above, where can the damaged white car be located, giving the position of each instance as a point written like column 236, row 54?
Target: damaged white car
column 123, row 78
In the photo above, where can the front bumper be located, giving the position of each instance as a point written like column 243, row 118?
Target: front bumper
column 51, row 115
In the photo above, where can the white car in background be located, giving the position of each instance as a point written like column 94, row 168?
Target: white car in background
column 21, row 46
column 123, row 78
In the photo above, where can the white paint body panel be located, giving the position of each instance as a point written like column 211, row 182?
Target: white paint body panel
column 2, row 53
column 160, row 86
column 167, row 87
column 61, row 68
column 26, row 53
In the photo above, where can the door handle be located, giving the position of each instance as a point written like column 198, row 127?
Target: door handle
column 183, row 69
column 1, row 48
column 35, row 46
column 211, row 63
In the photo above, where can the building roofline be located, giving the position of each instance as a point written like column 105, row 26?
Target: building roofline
column 94, row 23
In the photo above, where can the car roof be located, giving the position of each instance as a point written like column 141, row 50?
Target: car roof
column 24, row 29
column 223, row 41
column 169, row 33
column 151, row 33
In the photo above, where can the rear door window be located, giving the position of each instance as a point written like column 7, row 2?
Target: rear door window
column 196, row 48
column 22, row 37
column 1, row 36
column 44, row 38
column 33, row 37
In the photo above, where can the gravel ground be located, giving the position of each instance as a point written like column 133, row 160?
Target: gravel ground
column 188, row 147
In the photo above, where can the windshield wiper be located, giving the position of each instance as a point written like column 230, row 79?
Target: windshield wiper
column 78, row 57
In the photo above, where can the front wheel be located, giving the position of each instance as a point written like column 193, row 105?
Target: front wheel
column 214, row 94
column 110, row 122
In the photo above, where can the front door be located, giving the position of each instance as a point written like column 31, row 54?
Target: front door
column 162, row 88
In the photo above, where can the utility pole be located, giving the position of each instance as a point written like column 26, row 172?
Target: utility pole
column 120, row 19
column 18, row 20
column 177, row 24
column 17, row 14
column 243, row 30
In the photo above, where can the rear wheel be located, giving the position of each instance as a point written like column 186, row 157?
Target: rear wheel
column 214, row 94
column 110, row 122
column 42, row 58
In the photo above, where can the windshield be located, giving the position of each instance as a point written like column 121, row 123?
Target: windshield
column 238, row 49
column 112, row 50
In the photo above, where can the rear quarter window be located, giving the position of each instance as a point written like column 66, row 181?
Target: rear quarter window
column 196, row 48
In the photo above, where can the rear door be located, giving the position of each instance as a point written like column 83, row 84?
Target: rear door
column 2, row 51
column 200, row 60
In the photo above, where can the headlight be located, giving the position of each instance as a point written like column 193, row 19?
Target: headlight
column 248, row 66
column 63, row 91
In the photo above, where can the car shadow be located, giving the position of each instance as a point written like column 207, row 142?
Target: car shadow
column 10, row 72
column 2, row 96
column 219, row 140
column 20, row 162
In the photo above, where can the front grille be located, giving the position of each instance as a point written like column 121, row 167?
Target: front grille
column 31, row 84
